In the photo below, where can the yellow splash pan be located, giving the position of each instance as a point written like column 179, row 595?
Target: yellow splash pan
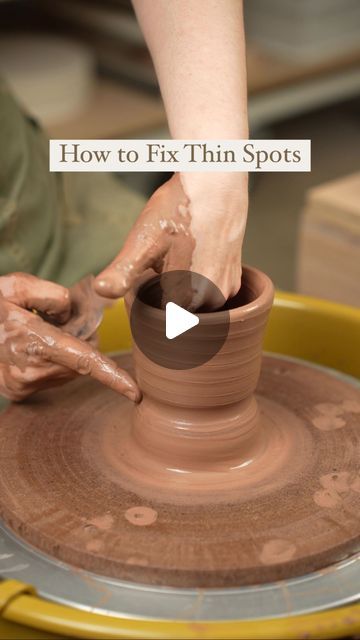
column 318, row 331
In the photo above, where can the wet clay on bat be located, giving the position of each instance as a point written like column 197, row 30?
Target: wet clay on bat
column 96, row 483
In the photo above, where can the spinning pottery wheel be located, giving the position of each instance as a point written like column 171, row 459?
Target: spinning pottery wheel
column 62, row 492
column 139, row 554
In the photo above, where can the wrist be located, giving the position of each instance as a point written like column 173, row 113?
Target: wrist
column 217, row 202
column 217, row 192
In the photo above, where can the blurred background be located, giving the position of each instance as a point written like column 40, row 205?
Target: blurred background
column 82, row 69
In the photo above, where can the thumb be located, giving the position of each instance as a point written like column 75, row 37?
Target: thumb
column 139, row 253
column 29, row 292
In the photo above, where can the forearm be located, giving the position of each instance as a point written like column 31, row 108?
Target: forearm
column 198, row 50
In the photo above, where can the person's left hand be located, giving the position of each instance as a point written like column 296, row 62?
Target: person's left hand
column 37, row 354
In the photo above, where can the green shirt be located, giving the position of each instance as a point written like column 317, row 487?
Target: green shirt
column 56, row 226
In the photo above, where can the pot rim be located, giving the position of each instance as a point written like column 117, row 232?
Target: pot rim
column 261, row 303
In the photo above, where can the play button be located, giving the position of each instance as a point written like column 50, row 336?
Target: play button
column 166, row 327
column 178, row 320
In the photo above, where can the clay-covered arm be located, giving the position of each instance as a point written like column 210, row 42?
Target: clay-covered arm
column 198, row 50
column 35, row 354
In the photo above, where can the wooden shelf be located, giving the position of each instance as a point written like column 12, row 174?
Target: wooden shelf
column 266, row 72
column 276, row 89
column 115, row 111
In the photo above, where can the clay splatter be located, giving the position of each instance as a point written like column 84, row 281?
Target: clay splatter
column 141, row 516
column 352, row 406
column 328, row 423
column 95, row 546
column 355, row 484
column 332, row 415
column 276, row 551
column 327, row 498
column 329, row 409
column 336, row 486
column 104, row 522
column 337, row 481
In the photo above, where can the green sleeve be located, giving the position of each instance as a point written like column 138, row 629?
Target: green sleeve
column 56, row 226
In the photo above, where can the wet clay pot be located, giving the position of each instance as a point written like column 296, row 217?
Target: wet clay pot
column 195, row 427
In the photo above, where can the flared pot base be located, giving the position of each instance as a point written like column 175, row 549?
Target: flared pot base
column 71, row 486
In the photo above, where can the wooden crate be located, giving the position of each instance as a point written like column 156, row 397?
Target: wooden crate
column 328, row 261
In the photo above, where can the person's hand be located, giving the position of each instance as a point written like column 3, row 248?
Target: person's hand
column 194, row 222
column 35, row 354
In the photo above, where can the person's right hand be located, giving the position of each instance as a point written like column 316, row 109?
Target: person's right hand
column 194, row 222
column 35, row 354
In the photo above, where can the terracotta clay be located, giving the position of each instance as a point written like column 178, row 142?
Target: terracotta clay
column 197, row 429
column 61, row 491
column 265, row 491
